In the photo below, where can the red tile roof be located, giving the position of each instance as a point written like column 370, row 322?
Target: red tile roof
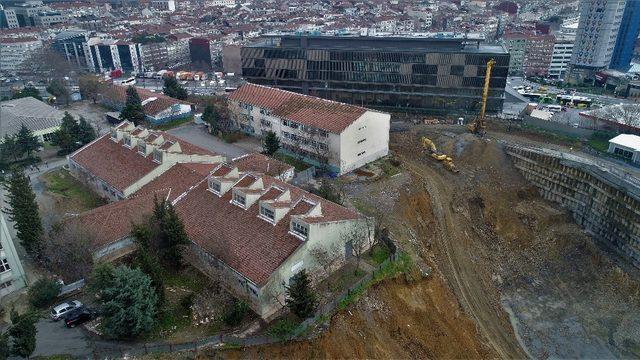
column 263, row 164
column 178, row 179
column 118, row 94
column 114, row 163
column 113, row 221
column 324, row 114
column 246, row 243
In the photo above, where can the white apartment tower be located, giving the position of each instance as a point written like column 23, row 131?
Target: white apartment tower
column 596, row 36
column 561, row 56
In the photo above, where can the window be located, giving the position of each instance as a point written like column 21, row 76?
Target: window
column 127, row 141
column 114, row 134
column 142, row 147
column 361, row 141
column 362, row 153
column 265, row 123
column 252, row 289
column 239, row 199
column 4, row 265
column 268, row 213
column 5, row 284
column 214, row 186
column 299, row 229
column 157, row 156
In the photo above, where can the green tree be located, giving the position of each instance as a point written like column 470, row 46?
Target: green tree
column 9, row 149
column 211, row 116
column 43, row 292
column 67, row 136
column 300, row 298
column 129, row 304
column 26, row 92
column 132, row 110
column 23, row 333
column 59, row 89
column 271, row 143
column 101, row 278
column 26, row 141
column 173, row 89
column 23, row 211
column 173, row 237
column 146, row 260
column 89, row 87
column 86, row 133
column 4, row 346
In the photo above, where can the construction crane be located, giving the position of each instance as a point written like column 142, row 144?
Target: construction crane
column 478, row 126
column 447, row 161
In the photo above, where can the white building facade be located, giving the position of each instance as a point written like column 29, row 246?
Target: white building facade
column 332, row 135
column 561, row 56
column 12, row 275
column 14, row 51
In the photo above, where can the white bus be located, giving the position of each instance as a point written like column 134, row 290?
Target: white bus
column 129, row 82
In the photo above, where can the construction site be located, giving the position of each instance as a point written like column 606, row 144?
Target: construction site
column 533, row 248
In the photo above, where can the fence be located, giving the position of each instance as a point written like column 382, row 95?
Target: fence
column 71, row 288
column 304, row 176
column 112, row 350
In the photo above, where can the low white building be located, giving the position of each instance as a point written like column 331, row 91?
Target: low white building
column 12, row 276
column 336, row 136
column 627, row 146
column 37, row 116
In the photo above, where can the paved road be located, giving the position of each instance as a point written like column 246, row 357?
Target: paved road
column 197, row 135
column 55, row 338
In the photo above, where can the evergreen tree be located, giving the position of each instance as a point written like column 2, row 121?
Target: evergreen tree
column 60, row 90
column 173, row 89
column 101, row 278
column 23, row 212
column 173, row 236
column 211, row 116
column 23, row 333
column 132, row 110
column 26, row 92
column 86, row 133
column 9, row 149
column 129, row 304
column 4, row 347
column 66, row 137
column 271, row 143
column 146, row 260
column 26, row 141
column 300, row 298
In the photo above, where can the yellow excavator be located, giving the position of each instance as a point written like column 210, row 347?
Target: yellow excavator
column 478, row 126
column 447, row 161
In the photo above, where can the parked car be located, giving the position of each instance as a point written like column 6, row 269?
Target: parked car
column 78, row 316
column 59, row 310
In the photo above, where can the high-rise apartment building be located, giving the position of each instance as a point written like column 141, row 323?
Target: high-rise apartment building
column 443, row 74
column 627, row 36
column 8, row 18
column 73, row 45
column 596, row 37
column 15, row 51
column 561, row 56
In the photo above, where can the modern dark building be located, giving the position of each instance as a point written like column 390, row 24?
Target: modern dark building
column 442, row 74
column 72, row 44
column 200, row 51
column 627, row 36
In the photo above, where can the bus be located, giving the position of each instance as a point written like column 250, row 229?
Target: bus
column 129, row 81
column 578, row 101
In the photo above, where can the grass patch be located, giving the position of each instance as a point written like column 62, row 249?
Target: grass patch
column 61, row 182
column 282, row 329
column 600, row 141
column 388, row 168
column 173, row 123
column 377, row 255
column 231, row 137
column 363, row 207
column 298, row 164
column 185, row 280
column 388, row 270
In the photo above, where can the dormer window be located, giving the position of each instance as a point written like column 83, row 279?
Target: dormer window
column 267, row 213
column 114, row 135
column 299, row 229
column 239, row 199
column 214, row 186
column 127, row 141
column 157, row 156
column 142, row 148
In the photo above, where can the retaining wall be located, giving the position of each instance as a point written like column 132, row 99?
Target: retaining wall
column 604, row 200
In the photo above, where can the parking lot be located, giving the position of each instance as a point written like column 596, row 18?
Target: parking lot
column 197, row 135
column 56, row 338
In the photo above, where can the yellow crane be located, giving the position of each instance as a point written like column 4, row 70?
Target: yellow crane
column 447, row 161
column 479, row 125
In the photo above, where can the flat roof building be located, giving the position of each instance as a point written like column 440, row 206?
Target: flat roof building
column 437, row 73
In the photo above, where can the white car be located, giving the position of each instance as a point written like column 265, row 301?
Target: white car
column 59, row 310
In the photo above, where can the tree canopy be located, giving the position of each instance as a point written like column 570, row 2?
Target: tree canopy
column 26, row 92
column 173, row 89
column 300, row 297
column 270, row 143
column 72, row 134
column 129, row 304
column 89, row 87
column 23, row 211
column 59, row 89
column 23, row 333
column 132, row 110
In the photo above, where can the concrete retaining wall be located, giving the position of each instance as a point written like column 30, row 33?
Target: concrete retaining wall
column 603, row 200
column 557, row 127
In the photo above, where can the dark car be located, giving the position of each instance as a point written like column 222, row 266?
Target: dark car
column 78, row 316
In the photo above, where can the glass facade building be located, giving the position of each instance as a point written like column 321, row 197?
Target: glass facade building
column 425, row 74
column 627, row 35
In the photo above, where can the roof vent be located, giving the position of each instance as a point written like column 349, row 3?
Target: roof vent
column 146, row 101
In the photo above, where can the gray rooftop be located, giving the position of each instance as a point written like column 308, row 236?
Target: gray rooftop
column 31, row 112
